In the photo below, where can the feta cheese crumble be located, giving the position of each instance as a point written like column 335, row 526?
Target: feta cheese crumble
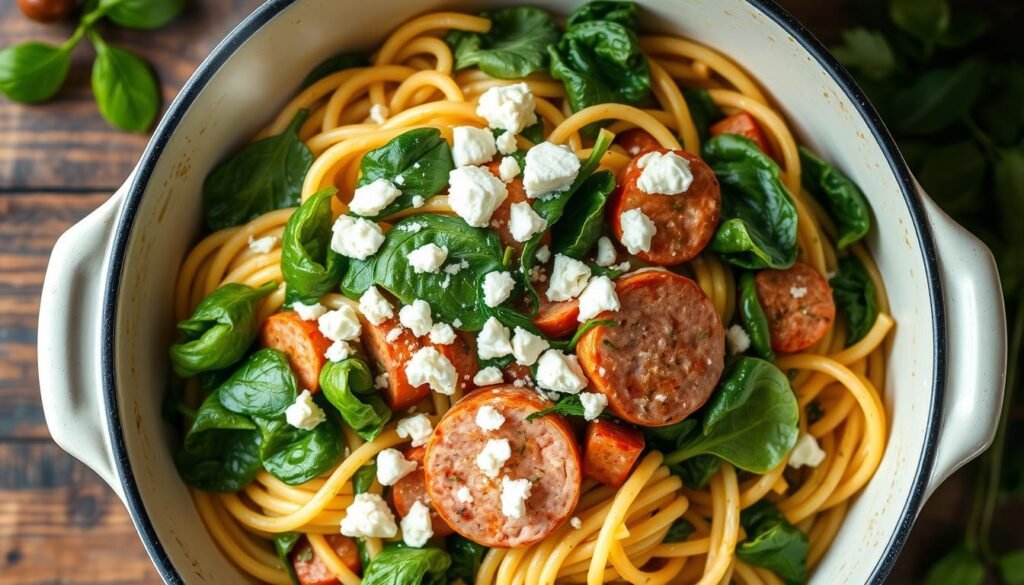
column 488, row 418
column 605, row 255
column 664, row 173
column 593, row 403
column 416, row 528
column 509, row 107
column 506, row 143
column 372, row 198
column 262, row 245
column 599, row 296
column 463, row 496
column 568, row 278
column 549, row 168
column 806, row 452
column 493, row 340
column 737, row 338
column 524, row 222
column 472, row 146
column 497, row 287
column 442, row 334
column 514, row 493
column 427, row 258
column 474, row 193
column 382, row 380
column 375, row 307
column 368, row 517
column 356, row 237
column 304, row 413
column 543, row 254
column 379, row 113
column 417, row 428
column 341, row 324
column 488, row 376
column 493, row 456
column 308, row 312
column 560, row 372
column 417, row 202
column 338, row 351
column 575, row 522
column 798, row 292
column 393, row 466
column 509, row 169
column 527, row 347
column 416, row 317
column 637, row 231
column 429, row 366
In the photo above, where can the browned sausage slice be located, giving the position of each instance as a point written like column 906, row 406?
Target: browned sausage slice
column 301, row 341
column 610, row 451
column 798, row 304
column 543, row 451
column 665, row 356
column 412, row 488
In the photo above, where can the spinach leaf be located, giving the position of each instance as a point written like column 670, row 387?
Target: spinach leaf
column 751, row 421
column 841, row 197
column 515, row 47
column 264, row 176
column 773, row 543
column 221, row 451
column 334, row 64
column 703, row 110
column 417, row 162
column 363, row 478
column 672, row 437
column 937, row 98
column 348, row 385
column 452, row 295
column 220, row 330
column 141, row 14
column 600, row 62
column 568, row 405
column 263, row 386
column 697, row 471
column 283, row 545
column 854, row 293
column 680, row 530
column 310, row 267
column 33, row 72
column 583, row 218
column 466, row 558
column 125, row 88
column 295, row 455
column 623, row 13
column 401, row 565
column 753, row 318
column 759, row 220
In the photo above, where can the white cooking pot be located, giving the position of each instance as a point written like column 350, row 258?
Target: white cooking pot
column 105, row 317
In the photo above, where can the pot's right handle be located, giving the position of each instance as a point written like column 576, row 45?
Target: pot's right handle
column 70, row 313
column 976, row 345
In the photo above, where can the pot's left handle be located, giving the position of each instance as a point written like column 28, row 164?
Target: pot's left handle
column 70, row 311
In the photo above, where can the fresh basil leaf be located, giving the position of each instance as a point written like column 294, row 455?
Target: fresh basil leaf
column 600, row 62
column 263, row 386
column 283, row 545
column 364, row 477
column 1011, row 567
column 400, row 565
column 334, row 64
column 568, row 405
column 854, row 293
column 220, row 330
column 310, row 267
column 952, row 174
column 680, row 530
column 417, row 162
column 583, row 218
column 623, row 13
column 126, row 90
column 773, row 543
column 467, row 556
column 264, row 176
column 751, row 420
column 754, row 321
column 452, row 295
column 959, row 566
column 841, row 197
column 759, row 220
column 925, row 20
column 515, row 47
column 348, row 386
column 141, row 14
column 937, row 98
column 221, row 451
column 32, row 72
column 295, row 455
column 703, row 111
column 867, row 51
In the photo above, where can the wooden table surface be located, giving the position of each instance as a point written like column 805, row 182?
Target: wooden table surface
column 59, row 523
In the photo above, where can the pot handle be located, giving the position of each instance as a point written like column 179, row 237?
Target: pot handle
column 976, row 344
column 70, row 313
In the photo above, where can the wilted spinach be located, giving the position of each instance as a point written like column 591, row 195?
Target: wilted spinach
column 417, row 162
column 221, row 451
column 283, row 545
column 752, row 316
column 334, row 64
column 401, row 565
column 773, row 543
column 348, row 385
column 296, row 455
column 580, row 227
column 854, row 293
column 623, row 13
column 310, row 267
column 515, row 47
column 703, row 111
column 841, row 197
column 600, row 62
column 466, row 558
column 263, row 385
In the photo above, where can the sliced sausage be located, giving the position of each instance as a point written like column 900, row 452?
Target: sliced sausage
column 798, row 304
column 745, row 125
column 513, row 372
column 301, row 341
column 310, row 569
column 637, row 141
column 685, row 222
column 391, row 354
column 412, row 488
column 665, row 355
column 501, row 215
column 610, row 451
column 544, row 451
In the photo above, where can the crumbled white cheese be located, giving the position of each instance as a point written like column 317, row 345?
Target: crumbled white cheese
column 637, row 231
column 304, row 413
column 442, row 334
column 338, row 351
column 605, row 252
column 472, row 146
column 575, row 522
column 382, row 380
column 308, row 312
column 549, row 168
column 568, row 278
column 509, row 107
column 599, row 296
column 509, row 169
column 416, row 527
column 368, row 517
column 427, row 258
column 543, row 254
column 798, row 292
column 514, row 493
column 488, row 418
column 370, row 199
column 393, row 466
column 593, row 404
column 379, row 113
column 416, row 317
column 356, row 237
column 493, row 340
column 417, row 428
column 488, row 376
column 497, row 287
column 737, row 338
column 341, row 324
column 664, row 173
column 429, row 366
column 493, row 456
column 418, row 201
column 506, row 143
column 537, row 274
column 457, row 323
column 474, row 193
column 375, row 307
column 262, row 245
column 660, row 398
column 412, row 227
column 394, row 334
column 806, row 452
column 527, row 347
column 623, row 266
column 463, row 496
column 560, row 372
column 524, row 222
